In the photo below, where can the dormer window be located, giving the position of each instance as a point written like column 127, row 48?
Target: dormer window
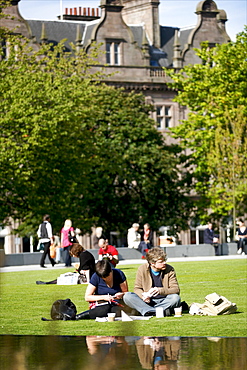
column 113, row 53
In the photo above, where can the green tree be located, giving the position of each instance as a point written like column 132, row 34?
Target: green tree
column 215, row 93
column 76, row 148
column 226, row 159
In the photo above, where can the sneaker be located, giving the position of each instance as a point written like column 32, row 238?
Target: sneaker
column 243, row 253
column 239, row 251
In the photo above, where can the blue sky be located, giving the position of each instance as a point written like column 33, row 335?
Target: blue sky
column 176, row 13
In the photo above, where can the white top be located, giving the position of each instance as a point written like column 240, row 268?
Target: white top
column 134, row 238
column 49, row 232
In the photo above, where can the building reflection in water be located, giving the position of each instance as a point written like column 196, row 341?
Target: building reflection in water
column 122, row 352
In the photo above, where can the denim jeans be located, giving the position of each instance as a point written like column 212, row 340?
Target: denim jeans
column 134, row 301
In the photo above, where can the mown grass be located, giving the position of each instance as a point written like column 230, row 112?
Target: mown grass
column 23, row 303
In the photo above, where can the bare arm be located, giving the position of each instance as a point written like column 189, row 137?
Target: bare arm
column 91, row 297
column 124, row 289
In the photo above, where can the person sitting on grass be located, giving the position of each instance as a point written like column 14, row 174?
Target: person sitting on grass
column 108, row 252
column 155, row 286
column 105, row 291
column 87, row 261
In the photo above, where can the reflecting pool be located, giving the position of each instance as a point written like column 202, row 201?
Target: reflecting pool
column 108, row 352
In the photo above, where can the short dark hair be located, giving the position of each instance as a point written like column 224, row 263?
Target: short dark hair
column 46, row 217
column 103, row 268
column 76, row 250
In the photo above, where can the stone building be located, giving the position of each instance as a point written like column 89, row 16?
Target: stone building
column 135, row 44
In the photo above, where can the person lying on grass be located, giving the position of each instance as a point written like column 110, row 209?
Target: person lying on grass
column 155, row 286
column 105, row 292
column 87, row 261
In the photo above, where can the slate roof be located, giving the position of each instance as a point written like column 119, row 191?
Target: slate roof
column 56, row 31
column 167, row 42
column 137, row 33
column 88, row 32
column 184, row 35
column 59, row 30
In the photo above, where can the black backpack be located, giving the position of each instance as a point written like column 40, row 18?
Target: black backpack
column 62, row 309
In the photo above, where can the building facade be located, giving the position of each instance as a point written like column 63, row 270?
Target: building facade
column 136, row 46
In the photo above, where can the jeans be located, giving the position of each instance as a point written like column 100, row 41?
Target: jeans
column 58, row 254
column 66, row 256
column 242, row 244
column 134, row 301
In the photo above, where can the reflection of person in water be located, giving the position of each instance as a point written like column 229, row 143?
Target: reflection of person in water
column 107, row 352
column 158, row 353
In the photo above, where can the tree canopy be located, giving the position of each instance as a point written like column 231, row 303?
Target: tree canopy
column 76, row 148
column 215, row 132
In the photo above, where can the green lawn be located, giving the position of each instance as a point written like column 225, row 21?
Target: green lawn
column 23, row 303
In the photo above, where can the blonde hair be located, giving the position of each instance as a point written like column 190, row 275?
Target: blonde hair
column 98, row 231
column 67, row 224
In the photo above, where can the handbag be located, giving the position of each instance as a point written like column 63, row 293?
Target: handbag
column 72, row 239
column 52, row 251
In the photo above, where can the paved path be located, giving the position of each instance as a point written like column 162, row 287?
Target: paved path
column 124, row 262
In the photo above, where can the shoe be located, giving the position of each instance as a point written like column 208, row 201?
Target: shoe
column 83, row 316
column 185, row 307
column 40, row 282
column 44, row 267
column 143, row 257
column 53, row 264
column 239, row 251
column 243, row 253
column 167, row 312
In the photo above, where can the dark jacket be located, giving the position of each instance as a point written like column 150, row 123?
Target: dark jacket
column 209, row 235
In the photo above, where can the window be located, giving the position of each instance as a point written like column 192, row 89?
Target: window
column 163, row 116
column 4, row 51
column 113, row 53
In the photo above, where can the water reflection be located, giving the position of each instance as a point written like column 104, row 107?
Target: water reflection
column 94, row 352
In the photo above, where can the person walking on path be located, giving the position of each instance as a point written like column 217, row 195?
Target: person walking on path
column 66, row 232
column 46, row 238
